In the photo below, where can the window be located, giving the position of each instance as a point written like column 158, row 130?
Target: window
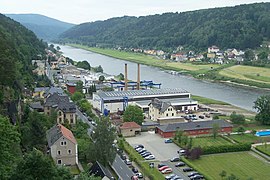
column 59, row 161
column 71, row 116
column 167, row 114
column 172, row 114
column 60, row 120
column 65, row 143
column 60, row 113
column 69, row 151
column 71, row 121
column 59, row 152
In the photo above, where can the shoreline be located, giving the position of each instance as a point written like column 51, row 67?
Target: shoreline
column 229, row 82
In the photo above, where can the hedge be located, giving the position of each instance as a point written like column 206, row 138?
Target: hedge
column 226, row 148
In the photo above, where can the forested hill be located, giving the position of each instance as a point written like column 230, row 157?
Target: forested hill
column 44, row 27
column 243, row 26
column 18, row 46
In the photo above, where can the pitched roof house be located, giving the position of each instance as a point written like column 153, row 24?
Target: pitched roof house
column 130, row 129
column 63, row 145
column 99, row 170
column 159, row 109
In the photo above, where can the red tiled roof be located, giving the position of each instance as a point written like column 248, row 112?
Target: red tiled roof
column 67, row 133
column 129, row 125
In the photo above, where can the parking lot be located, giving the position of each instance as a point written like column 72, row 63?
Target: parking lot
column 155, row 144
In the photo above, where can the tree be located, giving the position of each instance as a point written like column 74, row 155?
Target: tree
column 79, row 86
column 223, row 174
column 232, row 177
column 215, row 130
column 249, row 55
column 133, row 114
column 98, row 69
column 121, row 77
column 103, row 139
column 241, row 130
column 101, row 78
column 194, row 153
column 9, row 137
column 77, row 96
column 262, row 105
column 237, row 118
column 263, row 56
column 36, row 165
column 58, row 48
column 84, row 65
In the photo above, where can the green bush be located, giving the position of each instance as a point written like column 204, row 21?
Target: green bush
column 226, row 148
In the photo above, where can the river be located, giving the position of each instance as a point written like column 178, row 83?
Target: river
column 240, row 96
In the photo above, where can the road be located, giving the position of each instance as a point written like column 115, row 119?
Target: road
column 122, row 170
column 85, row 120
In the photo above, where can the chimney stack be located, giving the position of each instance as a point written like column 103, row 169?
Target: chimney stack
column 126, row 83
column 138, row 78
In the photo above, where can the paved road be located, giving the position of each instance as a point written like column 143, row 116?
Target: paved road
column 122, row 170
column 85, row 120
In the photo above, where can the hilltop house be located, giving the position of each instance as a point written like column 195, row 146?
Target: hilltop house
column 62, row 145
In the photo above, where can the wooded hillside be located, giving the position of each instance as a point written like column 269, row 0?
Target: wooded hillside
column 244, row 26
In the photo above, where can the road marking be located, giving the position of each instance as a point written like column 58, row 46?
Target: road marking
column 127, row 175
column 121, row 167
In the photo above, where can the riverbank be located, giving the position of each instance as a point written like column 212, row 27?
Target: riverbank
column 212, row 72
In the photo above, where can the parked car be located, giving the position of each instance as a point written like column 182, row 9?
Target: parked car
column 162, row 168
column 128, row 162
column 187, row 169
column 170, row 176
column 135, row 170
column 201, row 116
column 177, row 178
column 134, row 177
column 175, row 159
column 168, row 141
column 147, row 154
column 138, row 149
column 142, row 151
column 123, row 156
column 192, row 174
column 93, row 123
column 139, row 145
column 195, row 177
column 166, row 171
column 150, row 157
column 139, row 175
column 181, row 151
column 179, row 164
column 161, row 165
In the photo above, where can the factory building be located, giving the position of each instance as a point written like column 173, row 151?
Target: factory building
column 115, row 101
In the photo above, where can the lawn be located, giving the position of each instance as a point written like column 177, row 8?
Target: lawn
column 264, row 148
column 249, row 138
column 204, row 100
column 209, row 141
column 241, row 164
column 250, row 73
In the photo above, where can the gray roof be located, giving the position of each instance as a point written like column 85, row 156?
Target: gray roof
column 54, row 90
column 193, row 125
column 160, row 105
column 133, row 94
column 36, row 105
column 69, row 107
column 39, row 89
column 53, row 135
column 99, row 170
column 55, row 99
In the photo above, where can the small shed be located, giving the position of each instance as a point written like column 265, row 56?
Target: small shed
column 128, row 129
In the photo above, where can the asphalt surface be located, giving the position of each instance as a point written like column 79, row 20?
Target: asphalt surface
column 122, row 170
column 177, row 170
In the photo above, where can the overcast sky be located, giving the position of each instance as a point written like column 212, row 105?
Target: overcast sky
column 79, row 11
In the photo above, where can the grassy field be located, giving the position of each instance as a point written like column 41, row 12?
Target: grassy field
column 264, row 148
column 241, row 164
column 150, row 60
column 249, row 73
column 249, row 138
column 209, row 141
column 204, row 100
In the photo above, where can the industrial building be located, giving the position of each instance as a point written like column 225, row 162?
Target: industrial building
column 115, row 101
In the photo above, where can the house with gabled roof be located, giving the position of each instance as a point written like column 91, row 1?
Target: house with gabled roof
column 99, row 170
column 160, row 109
column 66, row 110
column 128, row 129
column 62, row 145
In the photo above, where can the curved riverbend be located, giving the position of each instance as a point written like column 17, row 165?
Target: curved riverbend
column 243, row 97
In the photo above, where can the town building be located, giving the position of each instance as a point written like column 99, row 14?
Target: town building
column 71, row 87
column 62, row 145
column 99, row 170
column 213, row 49
column 128, row 129
column 194, row 128
column 115, row 101
column 66, row 110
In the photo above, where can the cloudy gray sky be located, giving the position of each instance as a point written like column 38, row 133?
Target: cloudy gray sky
column 79, row 11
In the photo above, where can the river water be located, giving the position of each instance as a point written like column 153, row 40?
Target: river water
column 243, row 97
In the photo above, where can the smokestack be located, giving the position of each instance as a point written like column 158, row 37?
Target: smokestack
column 126, row 83
column 138, row 78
